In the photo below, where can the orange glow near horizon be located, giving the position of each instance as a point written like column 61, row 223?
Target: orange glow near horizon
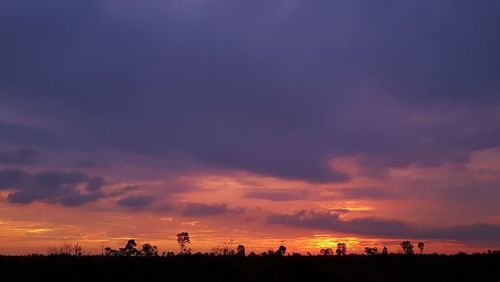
column 35, row 227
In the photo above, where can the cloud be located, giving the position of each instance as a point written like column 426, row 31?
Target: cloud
column 332, row 221
column 138, row 201
column 387, row 228
column 198, row 209
column 66, row 188
column 85, row 164
column 218, row 87
column 16, row 157
column 281, row 195
column 477, row 233
column 76, row 200
column 95, row 183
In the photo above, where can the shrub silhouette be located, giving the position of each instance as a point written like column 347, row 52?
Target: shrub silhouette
column 421, row 247
column 384, row 251
column 281, row 251
column 66, row 249
column 109, row 252
column 371, row 251
column 326, row 252
column 240, row 250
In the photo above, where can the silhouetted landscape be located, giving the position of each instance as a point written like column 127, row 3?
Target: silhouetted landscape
column 273, row 140
column 145, row 263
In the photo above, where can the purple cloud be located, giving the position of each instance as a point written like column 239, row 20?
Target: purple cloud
column 16, row 157
column 279, row 96
column 137, row 201
column 387, row 228
column 50, row 186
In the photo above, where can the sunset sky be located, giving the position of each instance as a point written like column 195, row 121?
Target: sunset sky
column 263, row 122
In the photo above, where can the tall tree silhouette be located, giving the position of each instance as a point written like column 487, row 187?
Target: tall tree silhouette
column 407, row 247
column 183, row 239
column 341, row 249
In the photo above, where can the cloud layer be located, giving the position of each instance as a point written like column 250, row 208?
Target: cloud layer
column 18, row 157
column 477, row 233
column 66, row 188
column 277, row 93
column 189, row 109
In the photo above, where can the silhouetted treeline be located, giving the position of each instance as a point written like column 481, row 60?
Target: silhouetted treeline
column 134, row 262
column 131, row 249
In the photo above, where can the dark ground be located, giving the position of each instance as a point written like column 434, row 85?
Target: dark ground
column 208, row 268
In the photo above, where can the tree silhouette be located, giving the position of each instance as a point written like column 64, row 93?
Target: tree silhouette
column 129, row 249
column 183, row 239
column 421, row 247
column 384, row 251
column 109, row 252
column 371, row 251
column 341, row 249
column 281, row 251
column 227, row 249
column 326, row 252
column 240, row 250
column 149, row 251
column 407, row 247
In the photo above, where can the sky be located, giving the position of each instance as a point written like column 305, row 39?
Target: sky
column 295, row 122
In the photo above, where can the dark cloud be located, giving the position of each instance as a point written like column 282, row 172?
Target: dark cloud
column 272, row 87
column 75, row 200
column 478, row 233
column 276, row 93
column 332, row 221
column 138, row 201
column 16, row 157
column 66, row 188
column 387, row 228
column 198, row 209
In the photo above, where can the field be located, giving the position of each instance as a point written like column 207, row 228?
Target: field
column 270, row 268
